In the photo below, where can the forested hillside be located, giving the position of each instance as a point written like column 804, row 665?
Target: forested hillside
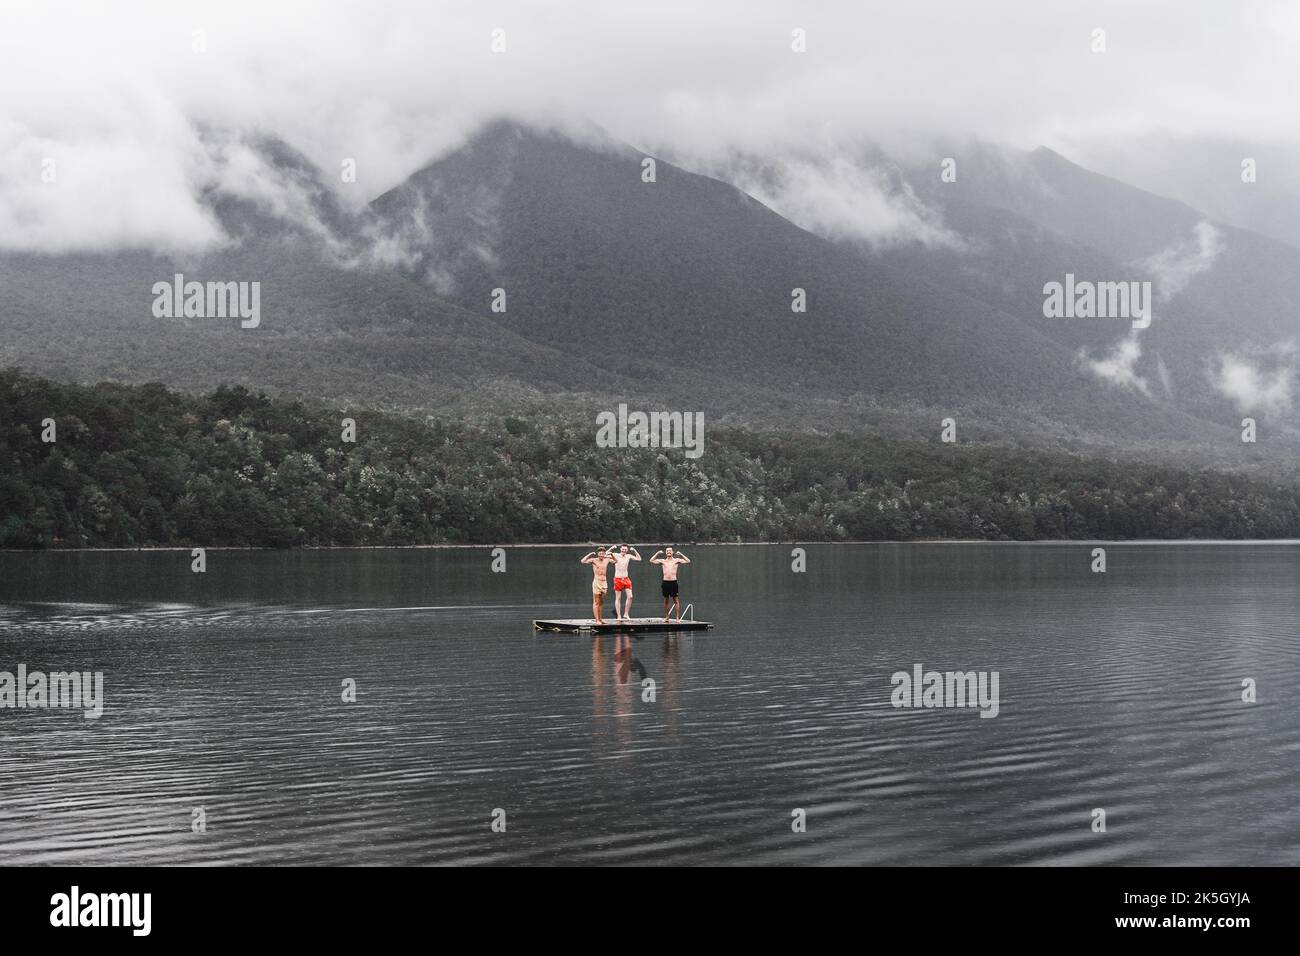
column 143, row 465
column 680, row 293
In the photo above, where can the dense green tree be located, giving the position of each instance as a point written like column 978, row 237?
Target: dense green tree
column 140, row 466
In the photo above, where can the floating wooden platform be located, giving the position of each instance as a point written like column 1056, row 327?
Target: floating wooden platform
column 636, row 624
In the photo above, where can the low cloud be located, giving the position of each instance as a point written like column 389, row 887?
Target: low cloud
column 842, row 199
column 1173, row 268
column 1119, row 368
column 1166, row 380
column 1251, row 385
column 117, row 94
column 87, row 192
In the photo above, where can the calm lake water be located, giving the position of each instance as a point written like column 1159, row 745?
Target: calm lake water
column 1120, row 691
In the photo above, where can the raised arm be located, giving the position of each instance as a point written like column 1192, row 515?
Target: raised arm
column 655, row 559
column 683, row 558
column 636, row 555
column 588, row 559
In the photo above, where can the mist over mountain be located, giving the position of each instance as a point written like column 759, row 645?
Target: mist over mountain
column 678, row 293
column 1245, row 182
column 952, row 314
column 1004, row 222
column 1223, row 295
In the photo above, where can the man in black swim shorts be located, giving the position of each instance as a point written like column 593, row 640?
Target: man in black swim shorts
column 670, row 562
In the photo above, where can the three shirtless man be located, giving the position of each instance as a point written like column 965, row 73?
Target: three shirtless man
column 602, row 558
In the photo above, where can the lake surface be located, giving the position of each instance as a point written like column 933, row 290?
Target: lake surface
column 1120, row 691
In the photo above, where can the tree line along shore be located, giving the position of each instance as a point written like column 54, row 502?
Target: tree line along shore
column 147, row 466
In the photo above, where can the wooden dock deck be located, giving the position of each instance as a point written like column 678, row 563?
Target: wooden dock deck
column 635, row 625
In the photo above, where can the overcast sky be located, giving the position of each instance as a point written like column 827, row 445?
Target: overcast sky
column 116, row 95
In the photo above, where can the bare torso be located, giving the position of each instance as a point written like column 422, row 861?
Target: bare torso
column 670, row 568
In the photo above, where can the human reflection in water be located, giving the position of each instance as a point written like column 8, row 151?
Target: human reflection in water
column 625, row 661
column 668, row 685
column 623, row 701
column 672, row 651
column 599, row 686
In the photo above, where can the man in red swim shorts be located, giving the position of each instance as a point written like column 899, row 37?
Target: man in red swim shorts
column 622, row 582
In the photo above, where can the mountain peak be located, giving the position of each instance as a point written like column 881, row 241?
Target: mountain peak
column 1046, row 152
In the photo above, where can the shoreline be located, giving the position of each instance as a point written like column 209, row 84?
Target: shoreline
column 689, row 544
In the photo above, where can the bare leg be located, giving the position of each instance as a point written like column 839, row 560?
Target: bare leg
column 677, row 603
column 627, row 608
column 667, row 603
column 618, row 605
column 598, row 606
